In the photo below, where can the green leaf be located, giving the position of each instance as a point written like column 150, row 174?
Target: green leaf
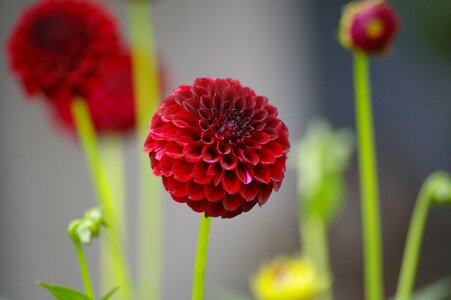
column 63, row 293
column 110, row 293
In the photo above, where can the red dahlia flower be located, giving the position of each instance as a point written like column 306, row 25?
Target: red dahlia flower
column 368, row 26
column 58, row 45
column 218, row 146
column 109, row 99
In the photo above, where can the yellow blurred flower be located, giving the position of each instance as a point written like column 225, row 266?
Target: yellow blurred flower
column 289, row 278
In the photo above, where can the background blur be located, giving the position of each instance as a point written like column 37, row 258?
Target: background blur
column 285, row 50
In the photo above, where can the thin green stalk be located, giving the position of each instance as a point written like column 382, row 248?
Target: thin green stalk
column 315, row 247
column 201, row 259
column 415, row 235
column 87, row 136
column 372, row 243
column 84, row 270
column 111, row 152
column 147, row 95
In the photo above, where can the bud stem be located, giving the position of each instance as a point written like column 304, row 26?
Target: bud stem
column 84, row 270
column 201, row 259
column 374, row 289
column 147, row 97
column 415, row 235
column 87, row 136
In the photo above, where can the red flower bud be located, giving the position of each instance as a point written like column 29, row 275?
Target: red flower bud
column 368, row 26
column 218, row 146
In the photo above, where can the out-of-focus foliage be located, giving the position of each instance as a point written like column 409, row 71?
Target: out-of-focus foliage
column 322, row 158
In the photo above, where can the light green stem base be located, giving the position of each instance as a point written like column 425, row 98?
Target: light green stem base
column 372, row 244
column 87, row 136
column 315, row 247
column 201, row 259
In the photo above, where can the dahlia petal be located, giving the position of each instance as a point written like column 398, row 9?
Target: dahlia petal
column 230, row 182
column 239, row 104
column 196, row 191
column 191, row 105
column 252, row 144
column 232, row 202
column 277, row 169
column 258, row 125
column 205, row 102
column 165, row 166
column 182, row 170
column 179, row 199
column 262, row 173
column 215, row 209
column 247, row 206
column 200, row 173
column 249, row 191
column 209, row 154
column 214, row 193
column 251, row 157
column 229, row 162
column 260, row 115
column 276, row 148
column 193, row 151
column 266, row 156
column 261, row 137
column 173, row 150
column 198, row 206
column 199, row 90
column 184, row 119
column 273, row 123
column 223, row 148
column 244, row 173
column 264, row 193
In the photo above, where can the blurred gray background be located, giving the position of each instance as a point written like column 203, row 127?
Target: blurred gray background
column 285, row 50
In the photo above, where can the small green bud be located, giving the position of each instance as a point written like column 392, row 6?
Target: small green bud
column 440, row 185
column 84, row 230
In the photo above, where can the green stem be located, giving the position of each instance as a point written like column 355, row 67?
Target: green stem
column 84, row 270
column 87, row 136
column 111, row 152
column 372, row 244
column 315, row 247
column 201, row 259
column 415, row 235
column 147, row 95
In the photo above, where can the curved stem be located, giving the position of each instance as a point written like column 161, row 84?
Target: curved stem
column 87, row 136
column 147, row 96
column 415, row 235
column 201, row 259
column 372, row 244
column 84, row 270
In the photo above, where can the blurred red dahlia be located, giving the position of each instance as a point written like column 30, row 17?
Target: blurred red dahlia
column 218, row 146
column 109, row 99
column 58, row 45
column 368, row 26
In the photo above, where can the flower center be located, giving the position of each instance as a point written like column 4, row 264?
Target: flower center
column 232, row 126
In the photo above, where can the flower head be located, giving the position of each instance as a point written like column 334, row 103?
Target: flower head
column 109, row 99
column 287, row 278
column 368, row 26
column 218, row 146
column 58, row 45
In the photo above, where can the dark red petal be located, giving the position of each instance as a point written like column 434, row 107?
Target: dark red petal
column 193, row 151
column 198, row 206
column 179, row 199
column 184, row 119
column 214, row 193
column 261, row 137
column 266, row 156
column 260, row 115
column 174, row 150
column 195, row 191
column 209, row 154
column 165, row 166
column 223, row 148
column 182, row 170
column 230, row 182
column 200, row 174
column 251, row 157
column 245, row 173
column 264, row 193
column 232, row 202
column 214, row 209
column 262, row 173
column 277, row 169
column 276, row 149
column 249, row 191
column 229, row 162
